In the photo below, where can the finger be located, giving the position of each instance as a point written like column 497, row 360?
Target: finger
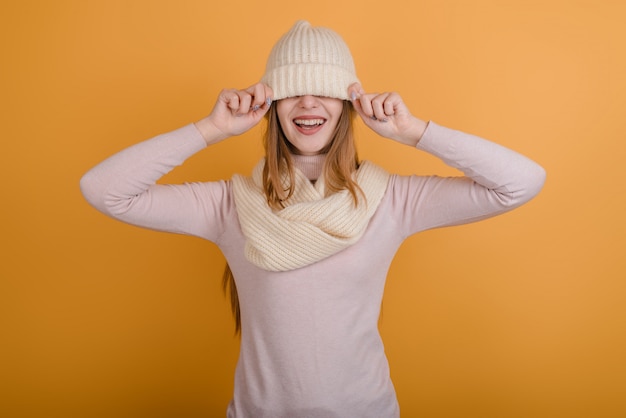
column 369, row 119
column 365, row 100
column 261, row 96
column 354, row 91
column 269, row 95
column 389, row 107
column 356, row 103
column 230, row 98
column 378, row 106
column 245, row 101
column 257, row 93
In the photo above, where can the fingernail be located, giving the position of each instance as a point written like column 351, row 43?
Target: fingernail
column 268, row 101
column 373, row 117
column 384, row 120
column 255, row 108
column 353, row 95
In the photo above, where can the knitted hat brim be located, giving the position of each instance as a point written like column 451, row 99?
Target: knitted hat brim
column 324, row 80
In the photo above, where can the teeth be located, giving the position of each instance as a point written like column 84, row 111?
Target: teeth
column 309, row 122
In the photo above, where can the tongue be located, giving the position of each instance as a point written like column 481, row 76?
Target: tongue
column 309, row 129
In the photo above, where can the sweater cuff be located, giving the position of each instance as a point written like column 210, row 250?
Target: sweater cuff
column 431, row 140
column 191, row 135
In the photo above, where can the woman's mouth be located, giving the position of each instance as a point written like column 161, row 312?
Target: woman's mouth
column 309, row 126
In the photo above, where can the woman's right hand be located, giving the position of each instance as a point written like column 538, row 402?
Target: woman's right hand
column 235, row 112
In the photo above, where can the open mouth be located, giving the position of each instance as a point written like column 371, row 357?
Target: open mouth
column 309, row 124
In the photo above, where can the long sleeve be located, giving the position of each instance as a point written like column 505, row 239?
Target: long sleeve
column 124, row 187
column 496, row 179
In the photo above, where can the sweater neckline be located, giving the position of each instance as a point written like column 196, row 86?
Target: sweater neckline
column 310, row 165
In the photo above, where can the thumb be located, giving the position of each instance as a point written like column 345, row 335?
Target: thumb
column 355, row 91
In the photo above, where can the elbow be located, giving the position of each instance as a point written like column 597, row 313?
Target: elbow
column 86, row 185
column 92, row 190
column 529, row 186
column 535, row 181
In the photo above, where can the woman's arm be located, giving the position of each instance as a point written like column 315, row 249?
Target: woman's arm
column 496, row 179
column 124, row 185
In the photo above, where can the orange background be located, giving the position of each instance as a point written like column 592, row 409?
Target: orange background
column 523, row 315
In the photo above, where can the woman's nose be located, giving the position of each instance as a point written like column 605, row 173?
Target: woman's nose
column 308, row 101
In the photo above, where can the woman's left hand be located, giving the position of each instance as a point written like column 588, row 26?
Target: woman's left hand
column 387, row 115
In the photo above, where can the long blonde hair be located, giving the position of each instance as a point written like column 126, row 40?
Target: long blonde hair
column 340, row 163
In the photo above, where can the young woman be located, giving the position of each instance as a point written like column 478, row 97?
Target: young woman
column 310, row 234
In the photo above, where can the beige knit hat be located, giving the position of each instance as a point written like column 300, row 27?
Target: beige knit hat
column 308, row 60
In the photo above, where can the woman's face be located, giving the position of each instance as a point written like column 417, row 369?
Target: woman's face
column 309, row 121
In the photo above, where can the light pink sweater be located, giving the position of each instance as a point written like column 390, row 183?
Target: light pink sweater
column 310, row 345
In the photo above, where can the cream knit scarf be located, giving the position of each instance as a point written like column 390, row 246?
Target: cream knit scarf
column 311, row 226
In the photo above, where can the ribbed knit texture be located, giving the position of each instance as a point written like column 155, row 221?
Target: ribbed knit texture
column 312, row 226
column 310, row 61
